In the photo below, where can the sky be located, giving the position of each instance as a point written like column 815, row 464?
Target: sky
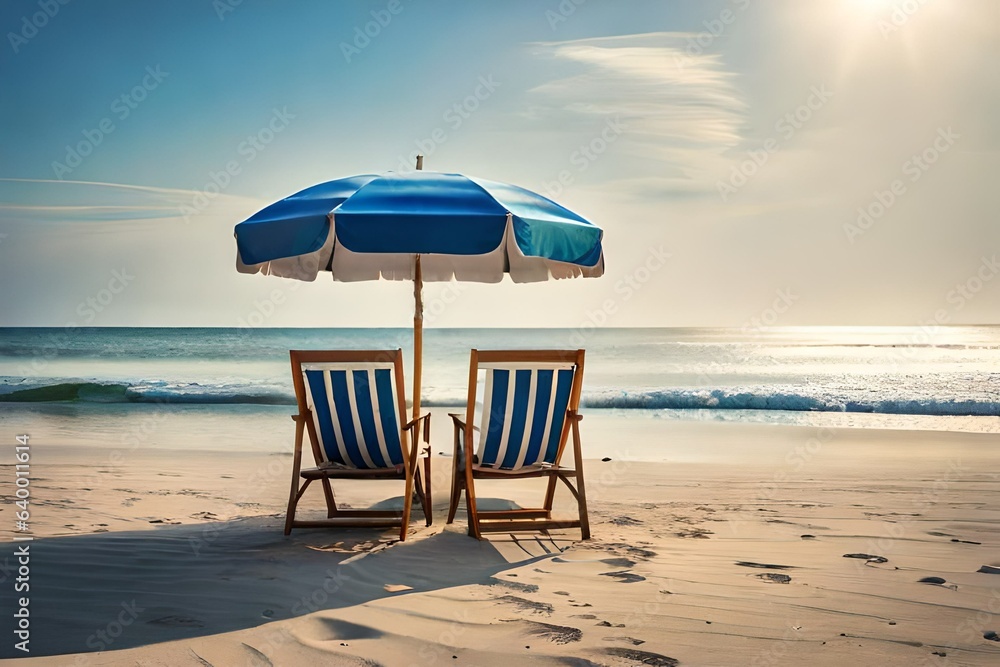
column 753, row 163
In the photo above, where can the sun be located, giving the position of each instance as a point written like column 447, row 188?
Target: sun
column 872, row 30
column 872, row 7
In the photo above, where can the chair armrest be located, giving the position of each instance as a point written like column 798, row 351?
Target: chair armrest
column 459, row 421
column 459, row 424
column 413, row 422
column 573, row 415
column 426, row 418
column 299, row 418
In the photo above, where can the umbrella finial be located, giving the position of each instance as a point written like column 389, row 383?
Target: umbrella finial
column 420, row 162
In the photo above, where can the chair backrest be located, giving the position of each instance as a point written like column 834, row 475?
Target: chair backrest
column 356, row 405
column 525, row 398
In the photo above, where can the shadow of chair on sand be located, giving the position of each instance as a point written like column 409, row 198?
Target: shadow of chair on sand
column 117, row 590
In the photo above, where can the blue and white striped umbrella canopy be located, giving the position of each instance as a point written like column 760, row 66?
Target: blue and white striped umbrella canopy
column 369, row 227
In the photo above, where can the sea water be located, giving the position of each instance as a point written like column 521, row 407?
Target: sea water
column 941, row 378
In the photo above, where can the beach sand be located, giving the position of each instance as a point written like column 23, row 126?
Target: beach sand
column 727, row 549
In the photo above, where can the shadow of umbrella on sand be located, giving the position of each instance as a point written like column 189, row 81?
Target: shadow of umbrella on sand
column 178, row 582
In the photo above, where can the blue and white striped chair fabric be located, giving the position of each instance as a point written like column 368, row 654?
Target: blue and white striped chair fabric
column 355, row 413
column 524, row 410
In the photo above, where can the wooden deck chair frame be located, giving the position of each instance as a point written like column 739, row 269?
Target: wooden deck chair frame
column 466, row 468
column 409, row 471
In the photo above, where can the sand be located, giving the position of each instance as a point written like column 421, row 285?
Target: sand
column 728, row 549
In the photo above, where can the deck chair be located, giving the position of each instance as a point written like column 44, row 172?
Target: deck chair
column 351, row 403
column 529, row 410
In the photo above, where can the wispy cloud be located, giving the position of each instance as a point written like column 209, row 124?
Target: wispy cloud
column 681, row 110
column 55, row 201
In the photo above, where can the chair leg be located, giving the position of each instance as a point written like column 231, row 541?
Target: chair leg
column 331, row 501
column 550, row 494
column 293, row 498
column 456, row 474
column 470, row 504
column 581, row 489
column 582, row 501
column 421, row 494
column 407, row 505
column 456, row 497
column 293, row 494
column 428, row 502
column 457, row 478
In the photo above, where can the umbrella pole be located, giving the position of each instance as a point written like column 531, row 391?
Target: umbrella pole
column 418, row 324
column 418, row 335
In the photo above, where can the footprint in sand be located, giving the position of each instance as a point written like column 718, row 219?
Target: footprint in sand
column 641, row 553
column 629, row 549
column 868, row 557
column 175, row 621
column 625, row 521
column 697, row 533
column 624, row 577
column 557, row 634
column 517, row 586
column 257, row 658
column 629, row 640
column 764, row 566
column 937, row 581
column 333, row 629
column 773, row 578
column 527, row 605
column 643, row 657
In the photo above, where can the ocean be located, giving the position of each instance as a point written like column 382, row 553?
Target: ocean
column 945, row 378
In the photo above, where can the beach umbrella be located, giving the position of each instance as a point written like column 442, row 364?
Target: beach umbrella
column 419, row 226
